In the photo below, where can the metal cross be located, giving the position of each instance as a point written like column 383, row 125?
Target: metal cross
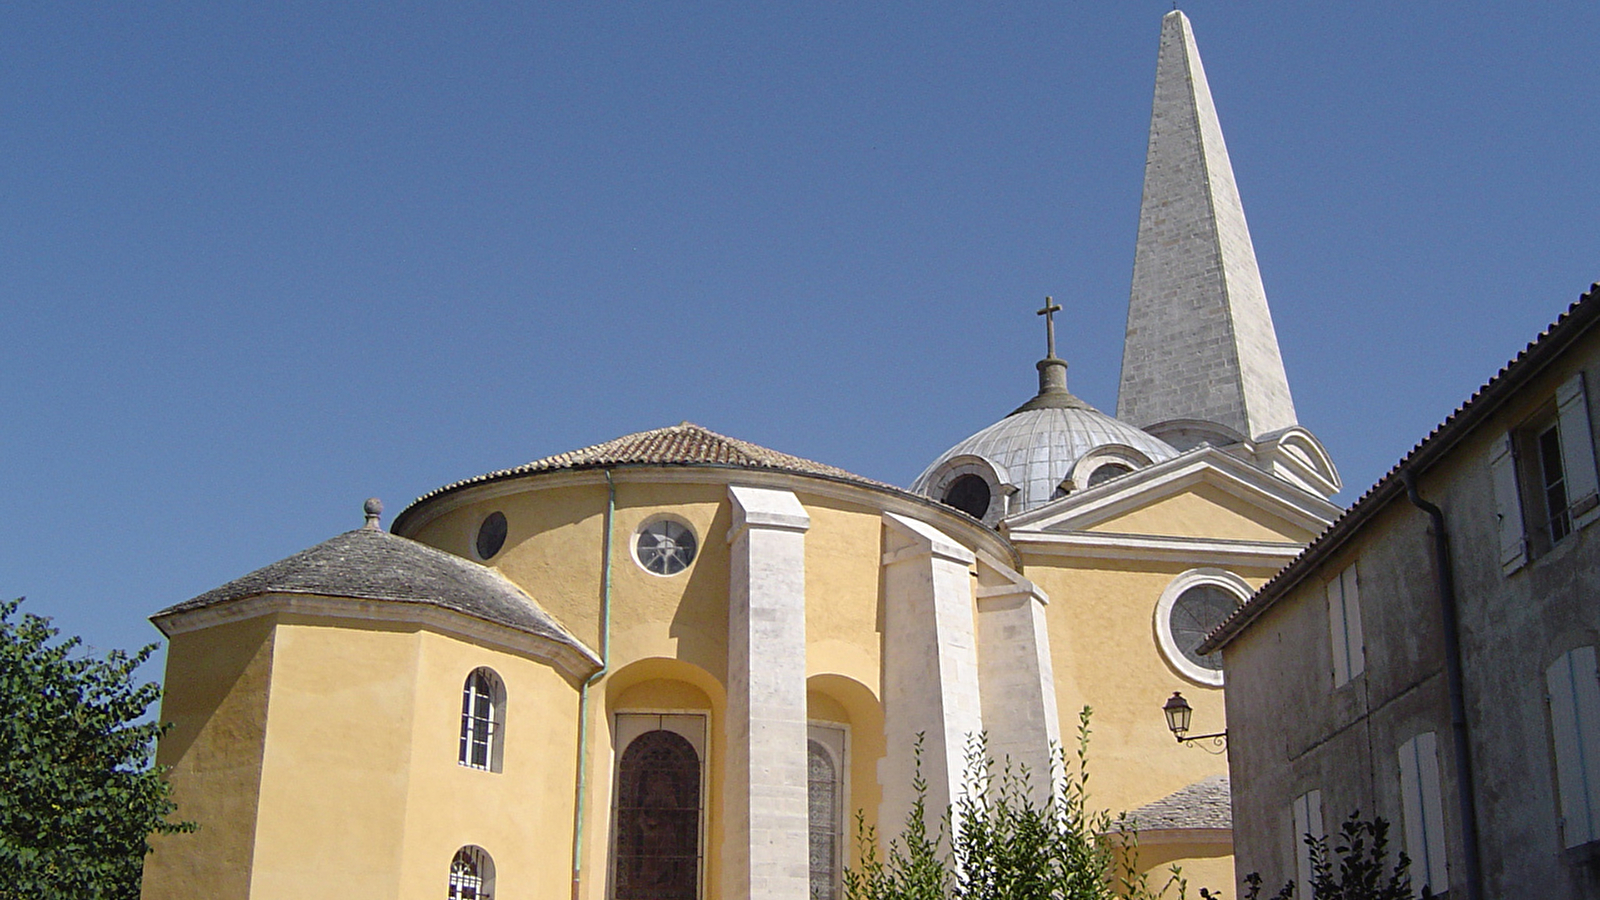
column 1049, row 311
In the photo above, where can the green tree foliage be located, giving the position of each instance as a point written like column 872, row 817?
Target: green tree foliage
column 78, row 793
column 999, row 843
column 1357, row 868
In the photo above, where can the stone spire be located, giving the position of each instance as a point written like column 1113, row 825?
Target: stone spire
column 1200, row 343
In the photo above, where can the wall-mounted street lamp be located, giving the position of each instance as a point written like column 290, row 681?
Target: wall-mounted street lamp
column 1178, row 714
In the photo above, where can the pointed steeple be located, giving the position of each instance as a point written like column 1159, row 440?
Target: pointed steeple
column 1200, row 342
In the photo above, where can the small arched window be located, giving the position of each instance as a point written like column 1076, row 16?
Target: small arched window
column 483, row 721
column 471, row 875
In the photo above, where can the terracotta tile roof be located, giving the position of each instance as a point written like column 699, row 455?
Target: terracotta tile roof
column 684, row 444
column 1540, row 352
column 1204, row 804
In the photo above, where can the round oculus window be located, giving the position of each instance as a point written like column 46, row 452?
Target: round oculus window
column 491, row 535
column 970, row 494
column 665, row 546
column 1196, row 613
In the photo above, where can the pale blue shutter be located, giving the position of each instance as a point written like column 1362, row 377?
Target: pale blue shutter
column 1336, row 633
column 1508, row 505
column 1423, row 811
column 1307, row 815
column 1352, row 621
column 1574, row 695
column 1577, row 452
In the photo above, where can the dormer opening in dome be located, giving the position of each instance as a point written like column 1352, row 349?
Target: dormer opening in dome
column 1043, row 450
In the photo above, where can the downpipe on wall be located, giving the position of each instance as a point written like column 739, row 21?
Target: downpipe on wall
column 580, row 806
column 1444, row 582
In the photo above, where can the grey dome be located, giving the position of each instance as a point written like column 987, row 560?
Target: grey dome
column 1033, row 450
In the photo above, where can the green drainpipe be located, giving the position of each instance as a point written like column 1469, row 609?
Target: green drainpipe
column 580, row 808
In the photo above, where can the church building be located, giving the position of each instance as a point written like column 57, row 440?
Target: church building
column 675, row 665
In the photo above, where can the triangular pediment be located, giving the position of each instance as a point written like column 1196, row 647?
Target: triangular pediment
column 1203, row 494
column 1204, row 510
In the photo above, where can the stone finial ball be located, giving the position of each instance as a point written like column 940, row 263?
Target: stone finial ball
column 373, row 506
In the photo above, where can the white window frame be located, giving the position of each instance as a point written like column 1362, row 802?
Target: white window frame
column 1422, row 808
column 834, row 737
column 1344, row 626
column 1305, row 818
column 471, row 712
column 481, row 882
column 1572, row 684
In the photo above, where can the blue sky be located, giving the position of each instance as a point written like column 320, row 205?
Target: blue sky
column 261, row 261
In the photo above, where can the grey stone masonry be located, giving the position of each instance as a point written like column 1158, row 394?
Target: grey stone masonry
column 1016, row 679
column 930, row 665
column 1200, row 342
column 766, row 851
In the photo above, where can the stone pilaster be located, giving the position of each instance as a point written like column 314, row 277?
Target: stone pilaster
column 766, row 845
column 1018, row 684
column 930, row 666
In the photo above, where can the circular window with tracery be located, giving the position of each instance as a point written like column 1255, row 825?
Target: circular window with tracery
column 1192, row 607
column 665, row 546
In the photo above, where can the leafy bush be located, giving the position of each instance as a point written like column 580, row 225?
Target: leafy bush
column 1357, row 868
column 1005, row 845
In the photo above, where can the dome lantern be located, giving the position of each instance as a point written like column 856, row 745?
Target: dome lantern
column 1050, row 446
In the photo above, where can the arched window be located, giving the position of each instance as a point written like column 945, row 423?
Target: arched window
column 658, row 819
column 483, row 720
column 1107, row 472
column 824, row 804
column 471, row 875
column 970, row 494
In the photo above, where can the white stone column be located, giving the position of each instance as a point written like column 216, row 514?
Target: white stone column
column 1016, row 678
column 930, row 666
column 765, row 825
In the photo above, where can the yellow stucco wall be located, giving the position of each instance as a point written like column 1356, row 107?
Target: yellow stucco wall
column 552, row 549
column 671, row 632
column 522, row 815
column 215, row 696
column 1106, row 653
column 1200, row 864
column 358, row 771
column 1206, row 511
column 360, row 790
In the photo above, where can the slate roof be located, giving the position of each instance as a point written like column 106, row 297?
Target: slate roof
column 684, row 444
column 1204, row 804
column 372, row 564
column 1540, row 352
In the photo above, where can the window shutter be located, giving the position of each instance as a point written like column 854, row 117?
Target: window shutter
column 1508, row 503
column 1577, row 452
column 1352, row 621
column 1336, row 633
column 1307, row 814
column 1574, row 694
column 1423, row 809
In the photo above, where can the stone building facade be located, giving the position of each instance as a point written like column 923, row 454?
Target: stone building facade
column 1439, row 670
